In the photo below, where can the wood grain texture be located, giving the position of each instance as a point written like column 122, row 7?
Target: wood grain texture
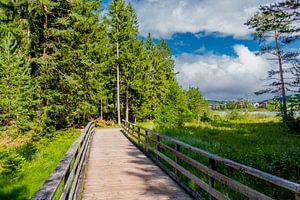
column 118, row 170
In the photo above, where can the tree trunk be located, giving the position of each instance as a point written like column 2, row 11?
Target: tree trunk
column 101, row 110
column 282, row 88
column 126, row 105
column 118, row 80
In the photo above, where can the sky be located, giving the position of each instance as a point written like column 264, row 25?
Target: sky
column 211, row 46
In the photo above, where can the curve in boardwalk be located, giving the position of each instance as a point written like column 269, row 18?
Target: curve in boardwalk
column 118, row 170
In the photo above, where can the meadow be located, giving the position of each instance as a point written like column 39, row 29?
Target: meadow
column 24, row 168
column 258, row 141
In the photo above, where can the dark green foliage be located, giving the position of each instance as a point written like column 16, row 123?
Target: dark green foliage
column 64, row 62
column 16, row 87
column 10, row 161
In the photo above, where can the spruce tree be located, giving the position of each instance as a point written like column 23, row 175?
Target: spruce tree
column 16, row 87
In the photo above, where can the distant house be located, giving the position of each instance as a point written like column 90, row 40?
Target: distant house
column 214, row 106
column 260, row 104
column 256, row 105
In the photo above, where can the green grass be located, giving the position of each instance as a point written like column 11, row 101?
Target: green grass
column 29, row 178
column 258, row 141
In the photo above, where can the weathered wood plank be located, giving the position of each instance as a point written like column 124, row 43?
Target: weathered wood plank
column 62, row 171
column 118, row 170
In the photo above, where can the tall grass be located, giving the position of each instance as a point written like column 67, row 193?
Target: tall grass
column 255, row 140
column 30, row 175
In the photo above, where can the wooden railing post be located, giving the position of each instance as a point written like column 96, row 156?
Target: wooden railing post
column 146, row 139
column 297, row 196
column 157, row 144
column 67, row 175
column 177, row 148
column 211, row 180
column 139, row 135
column 130, row 131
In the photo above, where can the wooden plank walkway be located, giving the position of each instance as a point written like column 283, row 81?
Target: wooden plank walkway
column 118, row 170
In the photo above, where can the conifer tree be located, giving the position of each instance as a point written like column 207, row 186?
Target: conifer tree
column 275, row 24
column 116, row 24
column 16, row 87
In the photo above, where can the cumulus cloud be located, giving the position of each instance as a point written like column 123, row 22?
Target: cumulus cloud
column 222, row 76
column 162, row 18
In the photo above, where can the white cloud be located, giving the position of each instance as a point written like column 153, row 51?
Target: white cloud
column 222, row 76
column 162, row 18
column 202, row 49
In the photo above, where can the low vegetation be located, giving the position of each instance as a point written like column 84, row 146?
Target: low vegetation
column 25, row 167
column 258, row 141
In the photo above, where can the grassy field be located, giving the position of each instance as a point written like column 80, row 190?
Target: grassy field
column 33, row 171
column 255, row 140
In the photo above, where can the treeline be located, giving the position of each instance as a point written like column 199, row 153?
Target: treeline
column 63, row 63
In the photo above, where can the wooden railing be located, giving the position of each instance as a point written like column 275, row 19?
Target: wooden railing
column 142, row 137
column 65, row 182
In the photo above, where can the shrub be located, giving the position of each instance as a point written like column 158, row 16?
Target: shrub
column 104, row 123
column 10, row 161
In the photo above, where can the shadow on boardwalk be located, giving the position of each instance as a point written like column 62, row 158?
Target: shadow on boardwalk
column 118, row 170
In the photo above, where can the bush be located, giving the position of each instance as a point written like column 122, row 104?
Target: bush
column 205, row 117
column 27, row 150
column 293, row 124
column 10, row 161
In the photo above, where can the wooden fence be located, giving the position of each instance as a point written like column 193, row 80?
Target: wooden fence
column 142, row 137
column 65, row 182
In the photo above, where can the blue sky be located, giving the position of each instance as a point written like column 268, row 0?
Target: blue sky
column 213, row 42
column 211, row 46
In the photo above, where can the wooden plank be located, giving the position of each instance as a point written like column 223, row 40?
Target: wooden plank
column 79, row 167
column 75, row 168
column 211, row 180
column 47, row 191
column 79, row 186
column 118, row 170
column 177, row 148
column 297, row 196
column 189, row 190
column 249, row 192
column 50, row 186
column 295, row 187
column 185, row 172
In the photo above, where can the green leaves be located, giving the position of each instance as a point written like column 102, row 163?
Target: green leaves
column 60, row 62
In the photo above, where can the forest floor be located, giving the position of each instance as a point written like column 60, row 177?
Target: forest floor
column 258, row 141
column 24, row 169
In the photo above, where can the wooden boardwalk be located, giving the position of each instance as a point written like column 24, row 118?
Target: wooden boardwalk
column 118, row 170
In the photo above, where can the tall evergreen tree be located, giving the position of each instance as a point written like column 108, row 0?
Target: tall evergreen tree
column 16, row 86
column 269, row 23
column 116, row 23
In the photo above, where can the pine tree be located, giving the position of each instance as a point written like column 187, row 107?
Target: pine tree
column 116, row 25
column 16, row 87
column 269, row 23
column 197, row 105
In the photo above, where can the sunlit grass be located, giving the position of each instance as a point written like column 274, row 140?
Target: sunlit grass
column 259, row 141
column 27, row 180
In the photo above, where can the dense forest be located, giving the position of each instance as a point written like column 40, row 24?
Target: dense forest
column 64, row 63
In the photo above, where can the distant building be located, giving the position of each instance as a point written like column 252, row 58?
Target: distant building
column 214, row 106
column 256, row 105
column 260, row 104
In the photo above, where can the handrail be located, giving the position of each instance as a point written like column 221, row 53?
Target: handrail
column 69, row 171
column 131, row 129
